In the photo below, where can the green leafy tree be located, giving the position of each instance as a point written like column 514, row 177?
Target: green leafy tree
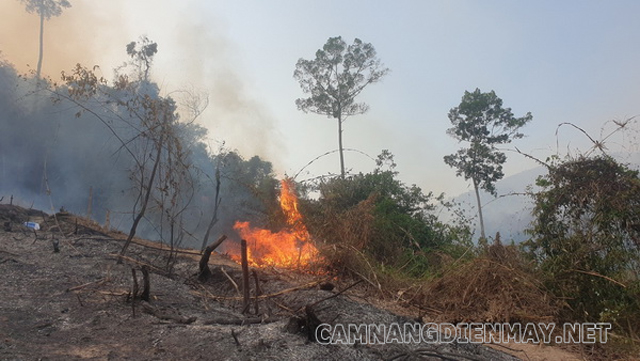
column 586, row 238
column 46, row 9
column 481, row 121
column 333, row 80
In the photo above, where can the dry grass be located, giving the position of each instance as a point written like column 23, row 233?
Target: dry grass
column 495, row 287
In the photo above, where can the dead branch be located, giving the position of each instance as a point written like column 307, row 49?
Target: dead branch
column 376, row 286
column 152, row 268
column 235, row 337
column 334, row 295
column 270, row 295
column 235, row 285
column 434, row 353
column 167, row 316
column 76, row 288
column 241, row 321
column 532, row 158
column 509, row 348
column 599, row 275
column 373, row 272
column 7, row 252
column 292, row 312
column 121, row 293
column 145, row 201
column 79, row 300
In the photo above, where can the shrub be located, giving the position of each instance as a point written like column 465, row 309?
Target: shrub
column 392, row 223
column 586, row 239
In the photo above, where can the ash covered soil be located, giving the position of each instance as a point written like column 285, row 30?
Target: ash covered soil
column 77, row 304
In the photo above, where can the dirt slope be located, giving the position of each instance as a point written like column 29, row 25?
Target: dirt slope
column 76, row 304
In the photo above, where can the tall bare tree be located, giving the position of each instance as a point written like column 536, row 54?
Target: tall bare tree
column 46, row 9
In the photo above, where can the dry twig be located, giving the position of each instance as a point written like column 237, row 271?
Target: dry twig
column 235, row 285
column 270, row 295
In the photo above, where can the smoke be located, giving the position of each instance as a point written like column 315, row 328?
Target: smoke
column 43, row 145
column 193, row 52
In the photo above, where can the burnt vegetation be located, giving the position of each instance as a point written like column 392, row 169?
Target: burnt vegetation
column 128, row 158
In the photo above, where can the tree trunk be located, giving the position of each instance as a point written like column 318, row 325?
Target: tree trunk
column 340, row 145
column 147, row 195
column 475, row 187
column 39, row 68
column 214, row 218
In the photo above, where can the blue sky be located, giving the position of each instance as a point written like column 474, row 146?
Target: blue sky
column 563, row 61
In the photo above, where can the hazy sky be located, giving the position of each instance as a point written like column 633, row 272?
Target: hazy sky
column 564, row 61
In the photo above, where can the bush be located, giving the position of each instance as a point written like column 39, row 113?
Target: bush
column 392, row 223
column 586, row 239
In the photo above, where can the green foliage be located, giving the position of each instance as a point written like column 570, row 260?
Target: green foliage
column 481, row 120
column 337, row 75
column 393, row 223
column 586, row 237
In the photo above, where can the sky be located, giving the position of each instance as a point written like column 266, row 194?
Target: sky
column 563, row 61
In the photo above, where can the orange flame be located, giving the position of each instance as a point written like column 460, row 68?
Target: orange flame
column 291, row 247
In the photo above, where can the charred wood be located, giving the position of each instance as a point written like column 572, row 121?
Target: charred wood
column 205, row 273
column 245, row 275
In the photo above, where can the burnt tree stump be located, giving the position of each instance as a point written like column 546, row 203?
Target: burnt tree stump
column 245, row 276
column 146, row 285
column 205, row 273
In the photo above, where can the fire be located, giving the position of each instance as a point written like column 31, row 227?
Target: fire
column 291, row 247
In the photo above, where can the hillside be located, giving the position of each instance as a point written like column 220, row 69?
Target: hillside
column 77, row 303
